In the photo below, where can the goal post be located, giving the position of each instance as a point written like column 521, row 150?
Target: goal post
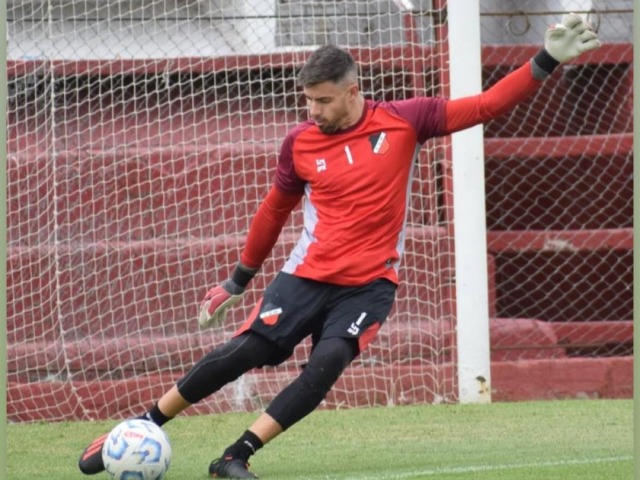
column 469, row 225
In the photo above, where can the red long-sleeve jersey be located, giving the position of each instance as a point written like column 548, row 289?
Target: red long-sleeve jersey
column 356, row 183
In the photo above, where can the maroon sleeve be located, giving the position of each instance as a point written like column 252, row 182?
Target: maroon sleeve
column 425, row 114
column 287, row 180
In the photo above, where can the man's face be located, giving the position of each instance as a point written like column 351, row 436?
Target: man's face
column 331, row 105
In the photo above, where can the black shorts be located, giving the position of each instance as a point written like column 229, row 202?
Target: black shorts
column 293, row 308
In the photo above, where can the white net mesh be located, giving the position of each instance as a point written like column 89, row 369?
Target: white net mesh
column 142, row 136
column 559, row 188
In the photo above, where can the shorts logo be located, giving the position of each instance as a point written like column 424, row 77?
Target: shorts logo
column 354, row 329
column 270, row 317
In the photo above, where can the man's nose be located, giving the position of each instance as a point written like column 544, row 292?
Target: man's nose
column 314, row 109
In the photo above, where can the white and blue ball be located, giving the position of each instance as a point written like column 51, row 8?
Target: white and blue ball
column 137, row 450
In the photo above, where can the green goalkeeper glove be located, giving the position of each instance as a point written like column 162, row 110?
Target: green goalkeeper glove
column 562, row 43
column 570, row 39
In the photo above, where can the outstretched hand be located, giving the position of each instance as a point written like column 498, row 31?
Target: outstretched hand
column 214, row 306
column 570, row 39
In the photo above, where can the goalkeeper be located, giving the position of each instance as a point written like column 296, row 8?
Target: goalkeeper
column 352, row 161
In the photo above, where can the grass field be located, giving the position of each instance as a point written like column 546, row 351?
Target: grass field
column 563, row 440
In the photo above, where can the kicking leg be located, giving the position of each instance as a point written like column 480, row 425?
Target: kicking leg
column 328, row 360
column 212, row 372
column 217, row 368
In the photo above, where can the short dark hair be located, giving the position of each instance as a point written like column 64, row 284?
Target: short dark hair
column 327, row 64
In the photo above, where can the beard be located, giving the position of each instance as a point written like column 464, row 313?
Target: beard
column 328, row 128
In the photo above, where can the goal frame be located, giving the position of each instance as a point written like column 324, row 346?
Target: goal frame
column 467, row 157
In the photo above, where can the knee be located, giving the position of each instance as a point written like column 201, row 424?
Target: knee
column 327, row 362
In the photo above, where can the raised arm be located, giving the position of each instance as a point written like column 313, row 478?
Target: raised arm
column 562, row 43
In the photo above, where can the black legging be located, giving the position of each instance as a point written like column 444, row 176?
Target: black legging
column 328, row 360
column 226, row 363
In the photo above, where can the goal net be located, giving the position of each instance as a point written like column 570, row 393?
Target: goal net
column 558, row 181
column 142, row 136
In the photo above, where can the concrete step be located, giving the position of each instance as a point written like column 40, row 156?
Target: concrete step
column 134, row 194
column 363, row 386
column 399, row 342
column 121, row 288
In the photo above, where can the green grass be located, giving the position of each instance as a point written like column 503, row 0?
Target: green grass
column 564, row 440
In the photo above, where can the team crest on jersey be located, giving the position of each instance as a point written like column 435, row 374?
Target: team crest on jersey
column 379, row 143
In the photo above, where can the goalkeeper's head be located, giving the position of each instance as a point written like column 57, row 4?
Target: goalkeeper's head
column 328, row 64
column 329, row 79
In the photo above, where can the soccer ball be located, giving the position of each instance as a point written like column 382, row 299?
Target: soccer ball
column 136, row 450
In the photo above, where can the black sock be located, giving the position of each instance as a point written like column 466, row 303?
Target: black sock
column 156, row 416
column 245, row 446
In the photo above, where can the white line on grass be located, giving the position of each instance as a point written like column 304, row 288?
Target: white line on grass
column 486, row 468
